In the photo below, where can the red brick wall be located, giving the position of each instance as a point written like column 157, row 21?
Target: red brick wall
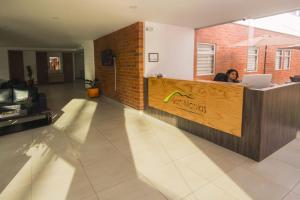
column 128, row 45
column 224, row 36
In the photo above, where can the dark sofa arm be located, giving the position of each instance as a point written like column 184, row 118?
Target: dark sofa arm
column 42, row 99
column 40, row 104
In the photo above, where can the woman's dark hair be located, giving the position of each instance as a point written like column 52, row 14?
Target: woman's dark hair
column 232, row 70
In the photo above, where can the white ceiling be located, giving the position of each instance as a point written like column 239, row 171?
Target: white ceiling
column 66, row 23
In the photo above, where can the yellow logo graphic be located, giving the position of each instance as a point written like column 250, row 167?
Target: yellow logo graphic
column 175, row 93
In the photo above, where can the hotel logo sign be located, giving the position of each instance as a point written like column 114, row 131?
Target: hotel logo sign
column 186, row 102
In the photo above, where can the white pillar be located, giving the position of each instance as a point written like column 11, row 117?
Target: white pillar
column 89, row 59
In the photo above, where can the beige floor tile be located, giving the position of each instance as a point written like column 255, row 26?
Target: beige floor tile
column 209, row 166
column 190, row 197
column 147, row 154
column 155, row 196
column 123, row 139
column 93, row 197
column 110, row 172
column 13, row 168
column 104, row 153
column 60, row 179
column 292, row 196
column 210, row 192
column 105, row 150
column 83, row 139
column 110, row 124
column 277, row 171
column 16, row 182
column 15, row 144
column 245, row 185
column 169, row 180
column 18, row 193
column 297, row 189
column 80, row 135
column 133, row 189
column 288, row 155
column 177, row 144
column 295, row 144
column 214, row 151
column 192, row 179
column 58, row 144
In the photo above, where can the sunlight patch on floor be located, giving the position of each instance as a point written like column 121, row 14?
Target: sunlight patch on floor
column 20, row 186
column 51, row 174
column 77, row 118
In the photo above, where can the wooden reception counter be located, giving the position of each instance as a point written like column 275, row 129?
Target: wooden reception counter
column 254, row 123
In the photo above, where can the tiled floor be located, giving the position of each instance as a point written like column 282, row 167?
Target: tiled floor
column 99, row 149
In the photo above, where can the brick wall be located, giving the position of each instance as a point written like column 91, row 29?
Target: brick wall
column 128, row 45
column 224, row 36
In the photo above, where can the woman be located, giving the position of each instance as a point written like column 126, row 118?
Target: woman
column 232, row 76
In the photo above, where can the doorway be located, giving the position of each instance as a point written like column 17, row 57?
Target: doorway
column 16, row 65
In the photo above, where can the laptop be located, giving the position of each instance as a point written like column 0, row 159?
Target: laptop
column 257, row 81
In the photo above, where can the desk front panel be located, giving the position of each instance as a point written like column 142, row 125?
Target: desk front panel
column 216, row 105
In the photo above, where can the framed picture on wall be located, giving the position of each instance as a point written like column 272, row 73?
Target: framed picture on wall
column 153, row 57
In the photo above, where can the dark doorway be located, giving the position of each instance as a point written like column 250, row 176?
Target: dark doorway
column 16, row 65
column 68, row 66
column 42, row 67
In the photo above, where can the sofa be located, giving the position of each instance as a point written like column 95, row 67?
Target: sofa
column 19, row 93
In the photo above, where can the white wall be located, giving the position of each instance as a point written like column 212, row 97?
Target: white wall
column 79, row 64
column 4, row 69
column 89, row 59
column 30, row 59
column 175, row 46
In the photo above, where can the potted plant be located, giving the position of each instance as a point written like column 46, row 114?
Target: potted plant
column 30, row 81
column 93, row 90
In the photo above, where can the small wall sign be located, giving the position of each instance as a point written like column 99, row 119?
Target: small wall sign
column 153, row 57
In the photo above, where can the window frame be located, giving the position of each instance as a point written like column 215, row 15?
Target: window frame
column 282, row 62
column 257, row 57
column 289, row 60
column 214, row 60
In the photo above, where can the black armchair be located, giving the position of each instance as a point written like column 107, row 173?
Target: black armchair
column 18, row 93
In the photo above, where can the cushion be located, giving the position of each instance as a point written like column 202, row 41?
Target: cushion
column 20, row 95
column 5, row 96
column 2, row 81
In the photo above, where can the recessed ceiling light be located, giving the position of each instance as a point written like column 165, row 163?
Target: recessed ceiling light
column 133, row 6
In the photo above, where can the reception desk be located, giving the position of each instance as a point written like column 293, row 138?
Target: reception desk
column 251, row 122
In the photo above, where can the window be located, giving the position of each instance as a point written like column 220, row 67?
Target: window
column 205, row 59
column 283, row 59
column 278, row 60
column 252, row 59
column 287, row 59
